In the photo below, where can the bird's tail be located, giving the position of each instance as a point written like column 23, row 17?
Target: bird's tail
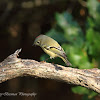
column 66, row 61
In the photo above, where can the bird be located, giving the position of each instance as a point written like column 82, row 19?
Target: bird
column 51, row 47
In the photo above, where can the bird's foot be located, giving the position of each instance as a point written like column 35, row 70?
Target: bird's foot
column 43, row 61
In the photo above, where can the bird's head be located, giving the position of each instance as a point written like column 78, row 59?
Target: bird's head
column 38, row 40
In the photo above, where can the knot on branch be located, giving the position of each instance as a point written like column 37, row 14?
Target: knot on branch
column 12, row 58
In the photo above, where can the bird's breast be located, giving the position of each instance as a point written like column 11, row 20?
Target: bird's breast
column 51, row 54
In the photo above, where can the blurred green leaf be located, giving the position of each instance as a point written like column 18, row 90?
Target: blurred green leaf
column 80, row 90
column 44, row 57
column 94, row 10
column 93, row 40
column 90, row 22
column 72, row 31
column 88, row 95
column 58, row 36
column 92, row 94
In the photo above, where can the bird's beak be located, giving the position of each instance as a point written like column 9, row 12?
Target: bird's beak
column 33, row 44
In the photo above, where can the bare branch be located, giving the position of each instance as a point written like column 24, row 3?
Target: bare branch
column 13, row 67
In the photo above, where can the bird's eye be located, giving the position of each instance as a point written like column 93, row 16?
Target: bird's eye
column 38, row 42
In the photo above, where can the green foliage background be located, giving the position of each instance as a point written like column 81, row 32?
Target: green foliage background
column 82, row 49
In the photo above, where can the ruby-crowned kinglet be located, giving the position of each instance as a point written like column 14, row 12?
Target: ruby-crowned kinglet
column 51, row 47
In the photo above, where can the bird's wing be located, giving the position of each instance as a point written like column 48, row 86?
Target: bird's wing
column 57, row 50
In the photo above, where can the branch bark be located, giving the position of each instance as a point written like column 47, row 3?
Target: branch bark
column 13, row 67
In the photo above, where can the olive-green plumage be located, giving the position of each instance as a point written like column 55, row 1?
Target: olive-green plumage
column 51, row 47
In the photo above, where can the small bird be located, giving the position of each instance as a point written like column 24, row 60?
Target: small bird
column 51, row 47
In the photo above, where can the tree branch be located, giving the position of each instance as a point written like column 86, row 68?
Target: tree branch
column 13, row 67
